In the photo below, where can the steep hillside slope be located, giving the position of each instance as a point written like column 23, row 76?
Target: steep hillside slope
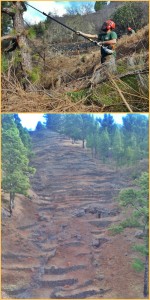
column 57, row 243
column 65, row 83
column 92, row 22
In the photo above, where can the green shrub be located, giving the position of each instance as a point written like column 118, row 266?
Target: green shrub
column 138, row 265
column 4, row 64
column 76, row 96
column 116, row 229
column 35, row 74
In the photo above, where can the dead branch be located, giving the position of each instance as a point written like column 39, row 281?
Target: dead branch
column 8, row 11
column 120, row 93
column 8, row 37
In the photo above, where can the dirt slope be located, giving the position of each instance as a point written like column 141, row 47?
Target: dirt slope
column 57, row 243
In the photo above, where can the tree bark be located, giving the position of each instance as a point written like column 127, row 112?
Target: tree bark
column 18, row 23
column 145, row 292
column 16, row 12
column 12, row 203
column 83, row 141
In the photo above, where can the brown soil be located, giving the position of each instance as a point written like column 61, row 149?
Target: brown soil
column 57, row 244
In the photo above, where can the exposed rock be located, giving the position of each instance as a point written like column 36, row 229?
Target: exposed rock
column 79, row 213
column 100, row 223
column 77, row 236
column 52, row 253
column 95, row 263
column 41, row 218
column 139, row 234
column 55, row 283
column 96, row 243
column 102, row 212
column 114, row 212
column 100, row 277
column 64, row 226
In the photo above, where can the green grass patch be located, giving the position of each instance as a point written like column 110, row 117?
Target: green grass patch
column 79, row 95
column 4, row 64
column 35, row 74
column 131, row 80
column 116, row 229
column 104, row 94
column 138, row 265
column 31, row 33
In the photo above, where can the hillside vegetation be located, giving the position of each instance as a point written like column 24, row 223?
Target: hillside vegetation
column 63, row 65
column 57, row 243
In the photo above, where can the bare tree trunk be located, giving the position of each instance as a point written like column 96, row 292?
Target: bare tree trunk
column 21, row 37
column 145, row 292
column 13, row 200
column 83, row 141
column 15, row 11
column 11, row 203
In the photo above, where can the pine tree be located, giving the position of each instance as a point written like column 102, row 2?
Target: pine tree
column 39, row 126
column 54, row 121
column 99, row 5
column 78, row 126
column 104, row 145
column 85, row 126
column 6, row 21
column 23, row 133
column 130, row 14
column 93, row 139
column 136, row 201
column 118, row 147
column 15, row 162
column 107, row 123
column 135, row 132
column 14, row 10
column 72, row 127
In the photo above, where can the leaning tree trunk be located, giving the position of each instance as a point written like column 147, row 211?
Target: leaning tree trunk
column 15, row 11
column 11, row 203
column 18, row 23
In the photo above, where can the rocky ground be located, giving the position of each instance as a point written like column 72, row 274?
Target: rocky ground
column 57, row 243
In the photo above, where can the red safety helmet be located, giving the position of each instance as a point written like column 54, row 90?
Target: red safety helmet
column 109, row 24
column 129, row 28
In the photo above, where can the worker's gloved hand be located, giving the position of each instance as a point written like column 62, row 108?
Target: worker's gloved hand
column 99, row 44
column 79, row 32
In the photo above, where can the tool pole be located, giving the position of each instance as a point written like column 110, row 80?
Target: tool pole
column 62, row 24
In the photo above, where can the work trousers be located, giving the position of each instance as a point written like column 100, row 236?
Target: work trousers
column 108, row 66
column 110, row 62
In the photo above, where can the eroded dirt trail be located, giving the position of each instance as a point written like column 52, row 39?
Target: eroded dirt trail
column 57, row 249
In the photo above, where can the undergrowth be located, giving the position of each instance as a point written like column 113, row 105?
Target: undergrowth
column 69, row 95
column 78, row 95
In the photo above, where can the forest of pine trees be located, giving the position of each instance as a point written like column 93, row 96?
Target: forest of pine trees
column 16, row 153
column 124, row 144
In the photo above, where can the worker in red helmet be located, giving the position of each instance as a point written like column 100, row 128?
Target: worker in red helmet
column 130, row 31
column 107, row 38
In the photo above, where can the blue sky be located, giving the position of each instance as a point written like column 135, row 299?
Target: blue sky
column 58, row 7
column 30, row 120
